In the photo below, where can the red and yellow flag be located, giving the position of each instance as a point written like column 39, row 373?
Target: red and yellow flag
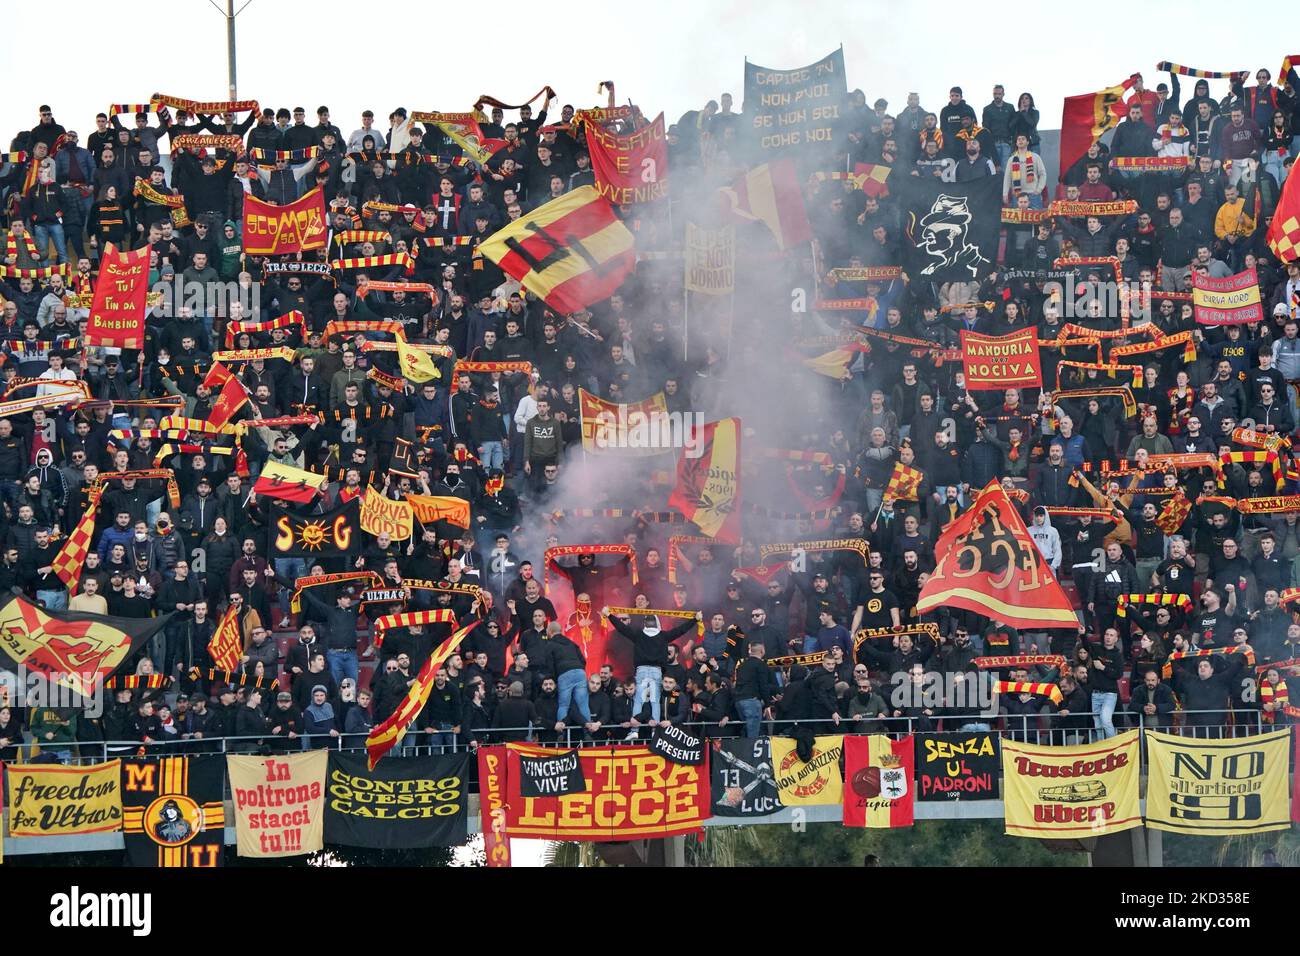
column 572, row 251
column 904, row 483
column 1086, row 118
column 987, row 563
column 232, row 398
column 227, row 642
column 68, row 562
column 288, row 483
column 117, row 312
column 431, row 508
column 390, row 733
column 271, row 230
column 878, row 772
column 770, row 194
column 708, row 484
column 1284, row 232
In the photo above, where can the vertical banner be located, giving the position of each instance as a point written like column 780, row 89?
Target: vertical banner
column 790, row 109
column 1060, row 793
column 878, row 777
column 173, row 814
column 492, row 804
column 996, row 362
column 279, row 803
column 631, row 168
column 743, row 783
column 1218, row 787
column 271, row 230
column 117, row 308
column 708, row 489
column 710, row 260
column 957, row 766
column 403, row 802
column 1231, row 301
column 49, row 799
column 813, row 782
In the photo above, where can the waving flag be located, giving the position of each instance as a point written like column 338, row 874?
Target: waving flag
column 230, row 400
column 1284, row 232
column 1086, row 118
column 227, row 642
column 390, row 733
column 770, row 194
column 987, row 563
column 72, row 648
column 708, row 486
column 572, row 251
column 288, row 483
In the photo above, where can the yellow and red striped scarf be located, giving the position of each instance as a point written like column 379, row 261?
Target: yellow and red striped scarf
column 1029, row 687
column 1182, row 601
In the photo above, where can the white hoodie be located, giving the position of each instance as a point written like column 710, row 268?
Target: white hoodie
column 1048, row 540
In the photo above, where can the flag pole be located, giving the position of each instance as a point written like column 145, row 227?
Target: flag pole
column 686, row 323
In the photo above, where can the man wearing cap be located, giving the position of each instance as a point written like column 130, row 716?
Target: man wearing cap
column 339, row 628
column 286, row 723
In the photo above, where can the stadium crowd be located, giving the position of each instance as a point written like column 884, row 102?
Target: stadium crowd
column 549, row 656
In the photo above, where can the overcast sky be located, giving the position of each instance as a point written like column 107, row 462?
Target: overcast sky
column 663, row 54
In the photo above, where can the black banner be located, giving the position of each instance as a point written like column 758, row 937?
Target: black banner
column 677, row 746
column 950, row 230
column 791, row 109
column 741, row 776
column 404, row 802
column 329, row 533
column 551, row 776
column 172, row 811
column 957, row 766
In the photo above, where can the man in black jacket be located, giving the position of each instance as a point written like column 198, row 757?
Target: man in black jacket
column 650, row 653
column 554, row 655
column 440, row 719
column 754, row 688
column 340, row 631
column 1152, row 704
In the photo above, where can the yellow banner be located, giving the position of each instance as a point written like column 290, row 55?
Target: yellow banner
column 1062, row 793
column 279, row 803
column 814, row 783
column 710, row 260
column 380, row 515
column 49, row 799
column 1218, row 787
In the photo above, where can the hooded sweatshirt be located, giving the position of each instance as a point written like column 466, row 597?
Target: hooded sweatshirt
column 1048, row 540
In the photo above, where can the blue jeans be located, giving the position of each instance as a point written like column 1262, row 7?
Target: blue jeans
column 1103, row 705
column 342, row 664
column 571, row 687
column 42, row 233
column 491, row 455
column 751, row 712
column 291, row 568
column 1004, row 151
column 53, row 600
column 648, row 683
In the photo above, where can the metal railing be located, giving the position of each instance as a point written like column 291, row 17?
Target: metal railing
column 1046, row 729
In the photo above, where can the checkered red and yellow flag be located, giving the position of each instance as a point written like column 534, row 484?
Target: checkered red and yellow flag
column 1284, row 232
column 68, row 562
column 904, row 483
